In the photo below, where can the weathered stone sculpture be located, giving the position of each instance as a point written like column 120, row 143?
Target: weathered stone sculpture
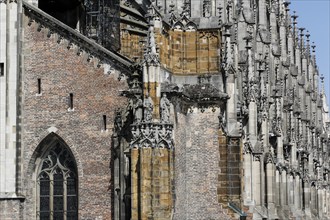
column 165, row 109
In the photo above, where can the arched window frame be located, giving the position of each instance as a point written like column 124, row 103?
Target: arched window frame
column 57, row 161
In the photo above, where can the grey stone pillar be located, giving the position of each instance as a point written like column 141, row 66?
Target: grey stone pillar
column 8, row 98
column 256, row 180
column 290, row 187
column 270, row 189
column 307, row 197
column 283, row 189
column 297, row 192
column 248, row 187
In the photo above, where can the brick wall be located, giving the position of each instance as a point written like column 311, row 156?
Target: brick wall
column 95, row 94
column 197, row 166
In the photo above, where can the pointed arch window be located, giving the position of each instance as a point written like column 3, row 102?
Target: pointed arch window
column 57, row 185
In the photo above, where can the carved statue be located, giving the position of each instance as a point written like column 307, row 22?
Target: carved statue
column 148, row 108
column 165, row 109
column 137, row 110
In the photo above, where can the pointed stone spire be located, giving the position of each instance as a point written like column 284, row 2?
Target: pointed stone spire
column 302, row 42
column 186, row 9
column 313, row 54
column 308, row 49
column 295, row 35
column 171, row 7
column 287, row 11
column 220, row 15
column 322, row 85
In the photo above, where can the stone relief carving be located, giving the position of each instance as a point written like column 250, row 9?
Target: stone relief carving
column 152, row 135
column 148, row 108
column 137, row 109
column 164, row 109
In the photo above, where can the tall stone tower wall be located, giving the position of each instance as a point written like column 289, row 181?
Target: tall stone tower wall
column 9, row 108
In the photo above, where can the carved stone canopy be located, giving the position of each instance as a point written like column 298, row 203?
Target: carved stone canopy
column 203, row 93
column 152, row 135
column 258, row 148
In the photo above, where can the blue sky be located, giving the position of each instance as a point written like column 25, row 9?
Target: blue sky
column 314, row 16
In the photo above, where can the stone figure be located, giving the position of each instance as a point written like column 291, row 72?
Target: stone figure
column 165, row 109
column 137, row 110
column 148, row 108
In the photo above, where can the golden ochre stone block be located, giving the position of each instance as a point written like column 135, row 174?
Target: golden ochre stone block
column 184, row 52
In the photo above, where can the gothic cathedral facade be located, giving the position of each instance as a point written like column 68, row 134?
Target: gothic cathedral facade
column 161, row 109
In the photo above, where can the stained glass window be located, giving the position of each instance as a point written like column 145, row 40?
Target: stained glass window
column 57, row 186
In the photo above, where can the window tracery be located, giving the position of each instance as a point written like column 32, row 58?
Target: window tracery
column 57, row 185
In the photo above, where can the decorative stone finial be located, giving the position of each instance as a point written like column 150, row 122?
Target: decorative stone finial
column 220, row 15
column 322, row 84
column 151, row 55
column 313, row 47
column 308, row 44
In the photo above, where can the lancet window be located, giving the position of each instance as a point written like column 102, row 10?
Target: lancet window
column 57, row 185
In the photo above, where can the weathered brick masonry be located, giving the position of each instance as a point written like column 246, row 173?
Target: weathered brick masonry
column 197, row 159
column 95, row 94
column 222, row 115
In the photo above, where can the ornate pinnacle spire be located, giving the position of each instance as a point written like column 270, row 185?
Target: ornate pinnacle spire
column 287, row 15
column 151, row 54
column 322, row 84
column 313, row 55
column 186, row 8
column 294, row 16
column 220, row 15
column 302, row 43
column 308, row 44
column 295, row 34
column 171, row 7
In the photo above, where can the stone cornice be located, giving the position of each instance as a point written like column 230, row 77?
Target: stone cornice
column 95, row 50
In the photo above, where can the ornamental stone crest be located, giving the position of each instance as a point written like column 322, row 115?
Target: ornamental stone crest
column 152, row 135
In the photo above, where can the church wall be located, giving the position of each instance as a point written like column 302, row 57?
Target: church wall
column 95, row 94
column 10, row 209
column 8, row 99
column 190, row 52
column 197, row 165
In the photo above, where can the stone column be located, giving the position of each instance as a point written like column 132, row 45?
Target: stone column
column 248, row 187
column 258, row 185
column 290, row 189
column 297, row 192
column 307, row 197
column 313, row 201
column 135, row 186
column 319, row 202
column 145, row 183
column 283, row 189
column 277, row 187
column 270, row 189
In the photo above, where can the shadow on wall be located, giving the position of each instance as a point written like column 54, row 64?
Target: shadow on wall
column 70, row 12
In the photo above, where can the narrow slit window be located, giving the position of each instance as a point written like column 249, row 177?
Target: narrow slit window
column 2, row 69
column 71, row 101
column 39, row 86
column 104, row 122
